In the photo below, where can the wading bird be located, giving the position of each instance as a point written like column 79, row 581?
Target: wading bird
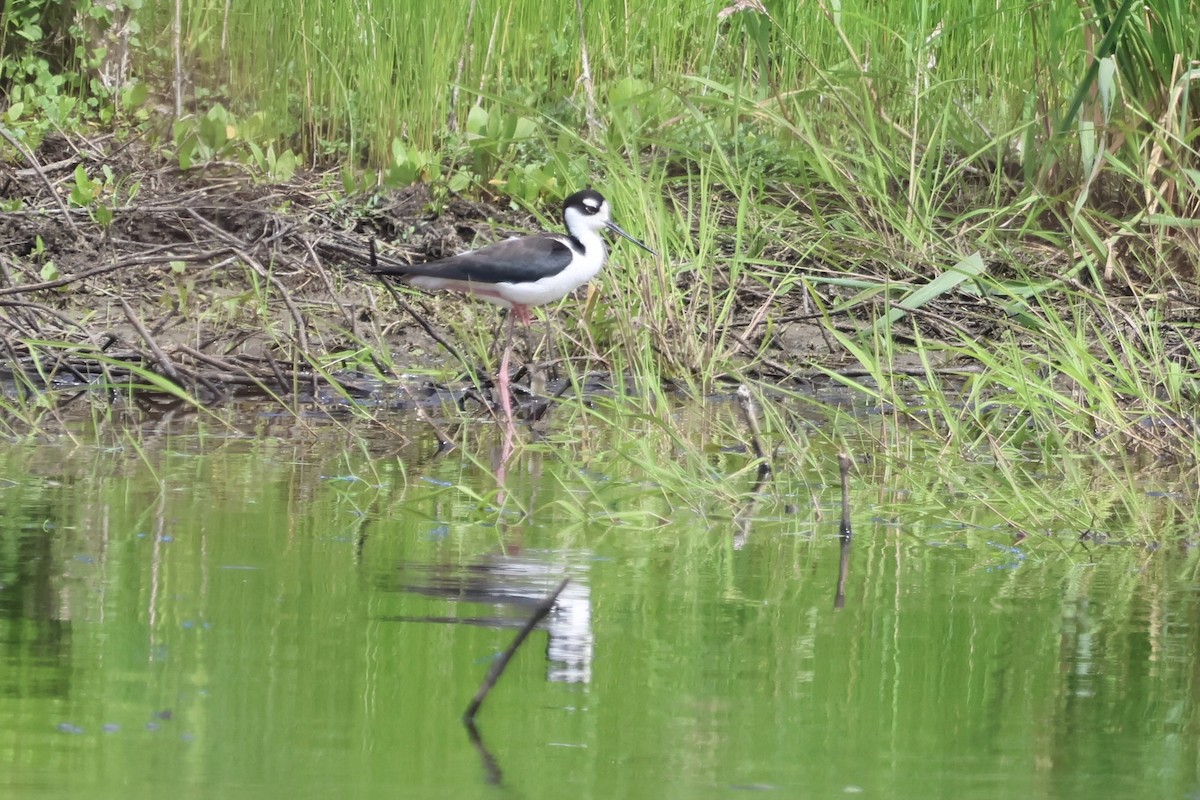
column 524, row 271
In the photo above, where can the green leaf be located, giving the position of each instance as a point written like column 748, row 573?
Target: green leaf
column 1087, row 143
column 49, row 271
column 970, row 267
column 477, row 121
column 136, row 95
column 285, row 166
column 187, row 150
column 525, row 128
column 399, row 152
column 626, row 90
column 260, row 160
column 214, row 130
column 84, row 191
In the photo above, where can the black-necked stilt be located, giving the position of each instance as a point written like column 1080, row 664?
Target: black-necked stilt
column 525, row 271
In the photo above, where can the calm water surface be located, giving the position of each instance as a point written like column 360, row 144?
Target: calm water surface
column 288, row 612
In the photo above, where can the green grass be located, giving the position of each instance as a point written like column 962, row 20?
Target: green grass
column 347, row 76
column 1000, row 196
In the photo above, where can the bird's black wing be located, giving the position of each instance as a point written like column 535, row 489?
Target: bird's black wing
column 512, row 261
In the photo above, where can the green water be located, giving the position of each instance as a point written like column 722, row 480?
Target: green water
column 294, row 611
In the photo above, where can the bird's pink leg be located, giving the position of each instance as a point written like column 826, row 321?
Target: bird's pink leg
column 505, row 398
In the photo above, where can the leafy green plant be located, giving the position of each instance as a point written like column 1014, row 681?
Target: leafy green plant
column 277, row 167
column 493, row 140
column 410, row 166
column 218, row 134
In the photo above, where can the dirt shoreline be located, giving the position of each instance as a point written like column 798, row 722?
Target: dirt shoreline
column 206, row 279
column 208, row 282
column 215, row 283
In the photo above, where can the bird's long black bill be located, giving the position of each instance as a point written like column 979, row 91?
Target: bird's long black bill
column 615, row 228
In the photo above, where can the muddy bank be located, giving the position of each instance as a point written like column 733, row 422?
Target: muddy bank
column 213, row 283
column 206, row 279
column 217, row 284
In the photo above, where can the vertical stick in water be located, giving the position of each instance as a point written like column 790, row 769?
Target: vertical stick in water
column 844, row 466
column 845, row 534
column 750, row 413
column 498, row 667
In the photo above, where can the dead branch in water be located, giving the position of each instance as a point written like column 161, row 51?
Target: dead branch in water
column 498, row 666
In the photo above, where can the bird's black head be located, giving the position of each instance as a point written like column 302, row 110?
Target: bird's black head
column 588, row 202
column 588, row 211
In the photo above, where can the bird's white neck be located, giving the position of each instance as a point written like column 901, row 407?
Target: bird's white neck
column 589, row 243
